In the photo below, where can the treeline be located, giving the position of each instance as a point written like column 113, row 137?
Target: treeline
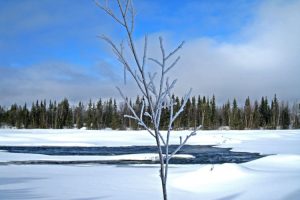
column 109, row 114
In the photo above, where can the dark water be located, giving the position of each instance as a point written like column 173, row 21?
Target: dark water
column 203, row 154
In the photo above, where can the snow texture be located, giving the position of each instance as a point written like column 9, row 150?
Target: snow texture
column 275, row 177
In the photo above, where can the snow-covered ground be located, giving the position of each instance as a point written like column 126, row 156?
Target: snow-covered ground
column 273, row 177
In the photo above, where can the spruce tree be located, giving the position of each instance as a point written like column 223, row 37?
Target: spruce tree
column 19, row 117
column 63, row 113
column 2, row 116
column 226, row 114
column 99, row 114
column 274, row 113
column 79, row 115
column 203, row 113
column 285, row 117
column 207, row 115
column 235, row 116
column 213, row 117
column 177, row 123
column 89, row 117
column 12, row 115
column 296, row 115
column 248, row 114
column 193, row 113
column 256, row 116
column 186, row 119
column 115, row 119
column 199, row 110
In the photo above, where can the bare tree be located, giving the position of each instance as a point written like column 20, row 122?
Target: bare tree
column 156, row 88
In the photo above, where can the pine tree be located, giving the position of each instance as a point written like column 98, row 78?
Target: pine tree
column 193, row 114
column 63, row 113
column 274, row 113
column 37, row 115
column 199, row 110
column 79, row 115
column 226, row 114
column 235, row 118
column 50, row 115
column 42, row 116
column 89, row 117
column 207, row 115
column 108, row 114
column 248, row 114
column 285, row 117
column 203, row 113
column 25, row 116
column 296, row 124
column 213, row 117
column 19, row 117
column 186, row 123
column 177, row 123
column 69, row 121
column 115, row 118
column 124, row 121
column 265, row 113
column 2, row 116
column 99, row 114
column 55, row 112
column 295, row 115
column 256, row 116
column 12, row 115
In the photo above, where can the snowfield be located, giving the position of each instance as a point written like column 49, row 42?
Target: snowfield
column 275, row 177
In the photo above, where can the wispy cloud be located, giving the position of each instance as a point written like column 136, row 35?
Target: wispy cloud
column 53, row 80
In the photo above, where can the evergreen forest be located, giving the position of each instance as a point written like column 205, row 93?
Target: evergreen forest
column 263, row 114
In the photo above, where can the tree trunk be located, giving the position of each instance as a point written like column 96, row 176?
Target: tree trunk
column 164, row 188
column 162, row 166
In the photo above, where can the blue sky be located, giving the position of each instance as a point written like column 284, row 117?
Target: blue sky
column 35, row 31
column 237, row 48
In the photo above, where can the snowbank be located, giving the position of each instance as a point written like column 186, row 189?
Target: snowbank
column 275, row 177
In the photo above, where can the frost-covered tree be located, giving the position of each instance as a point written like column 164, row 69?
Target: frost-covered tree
column 155, row 87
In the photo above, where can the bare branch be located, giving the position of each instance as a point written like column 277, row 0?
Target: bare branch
column 130, row 117
column 161, row 137
column 162, row 48
column 173, row 64
column 173, row 52
column 109, row 12
column 121, row 8
column 170, row 87
column 148, row 115
column 182, row 143
column 182, row 106
column 147, row 85
column 124, row 62
column 142, row 110
column 126, row 6
column 135, row 117
column 145, row 52
column 132, row 13
column 122, row 50
column 151, row 83
column 156, row 61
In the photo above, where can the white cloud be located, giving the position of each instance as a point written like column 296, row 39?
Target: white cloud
column 265, row 62
column 53, row 80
